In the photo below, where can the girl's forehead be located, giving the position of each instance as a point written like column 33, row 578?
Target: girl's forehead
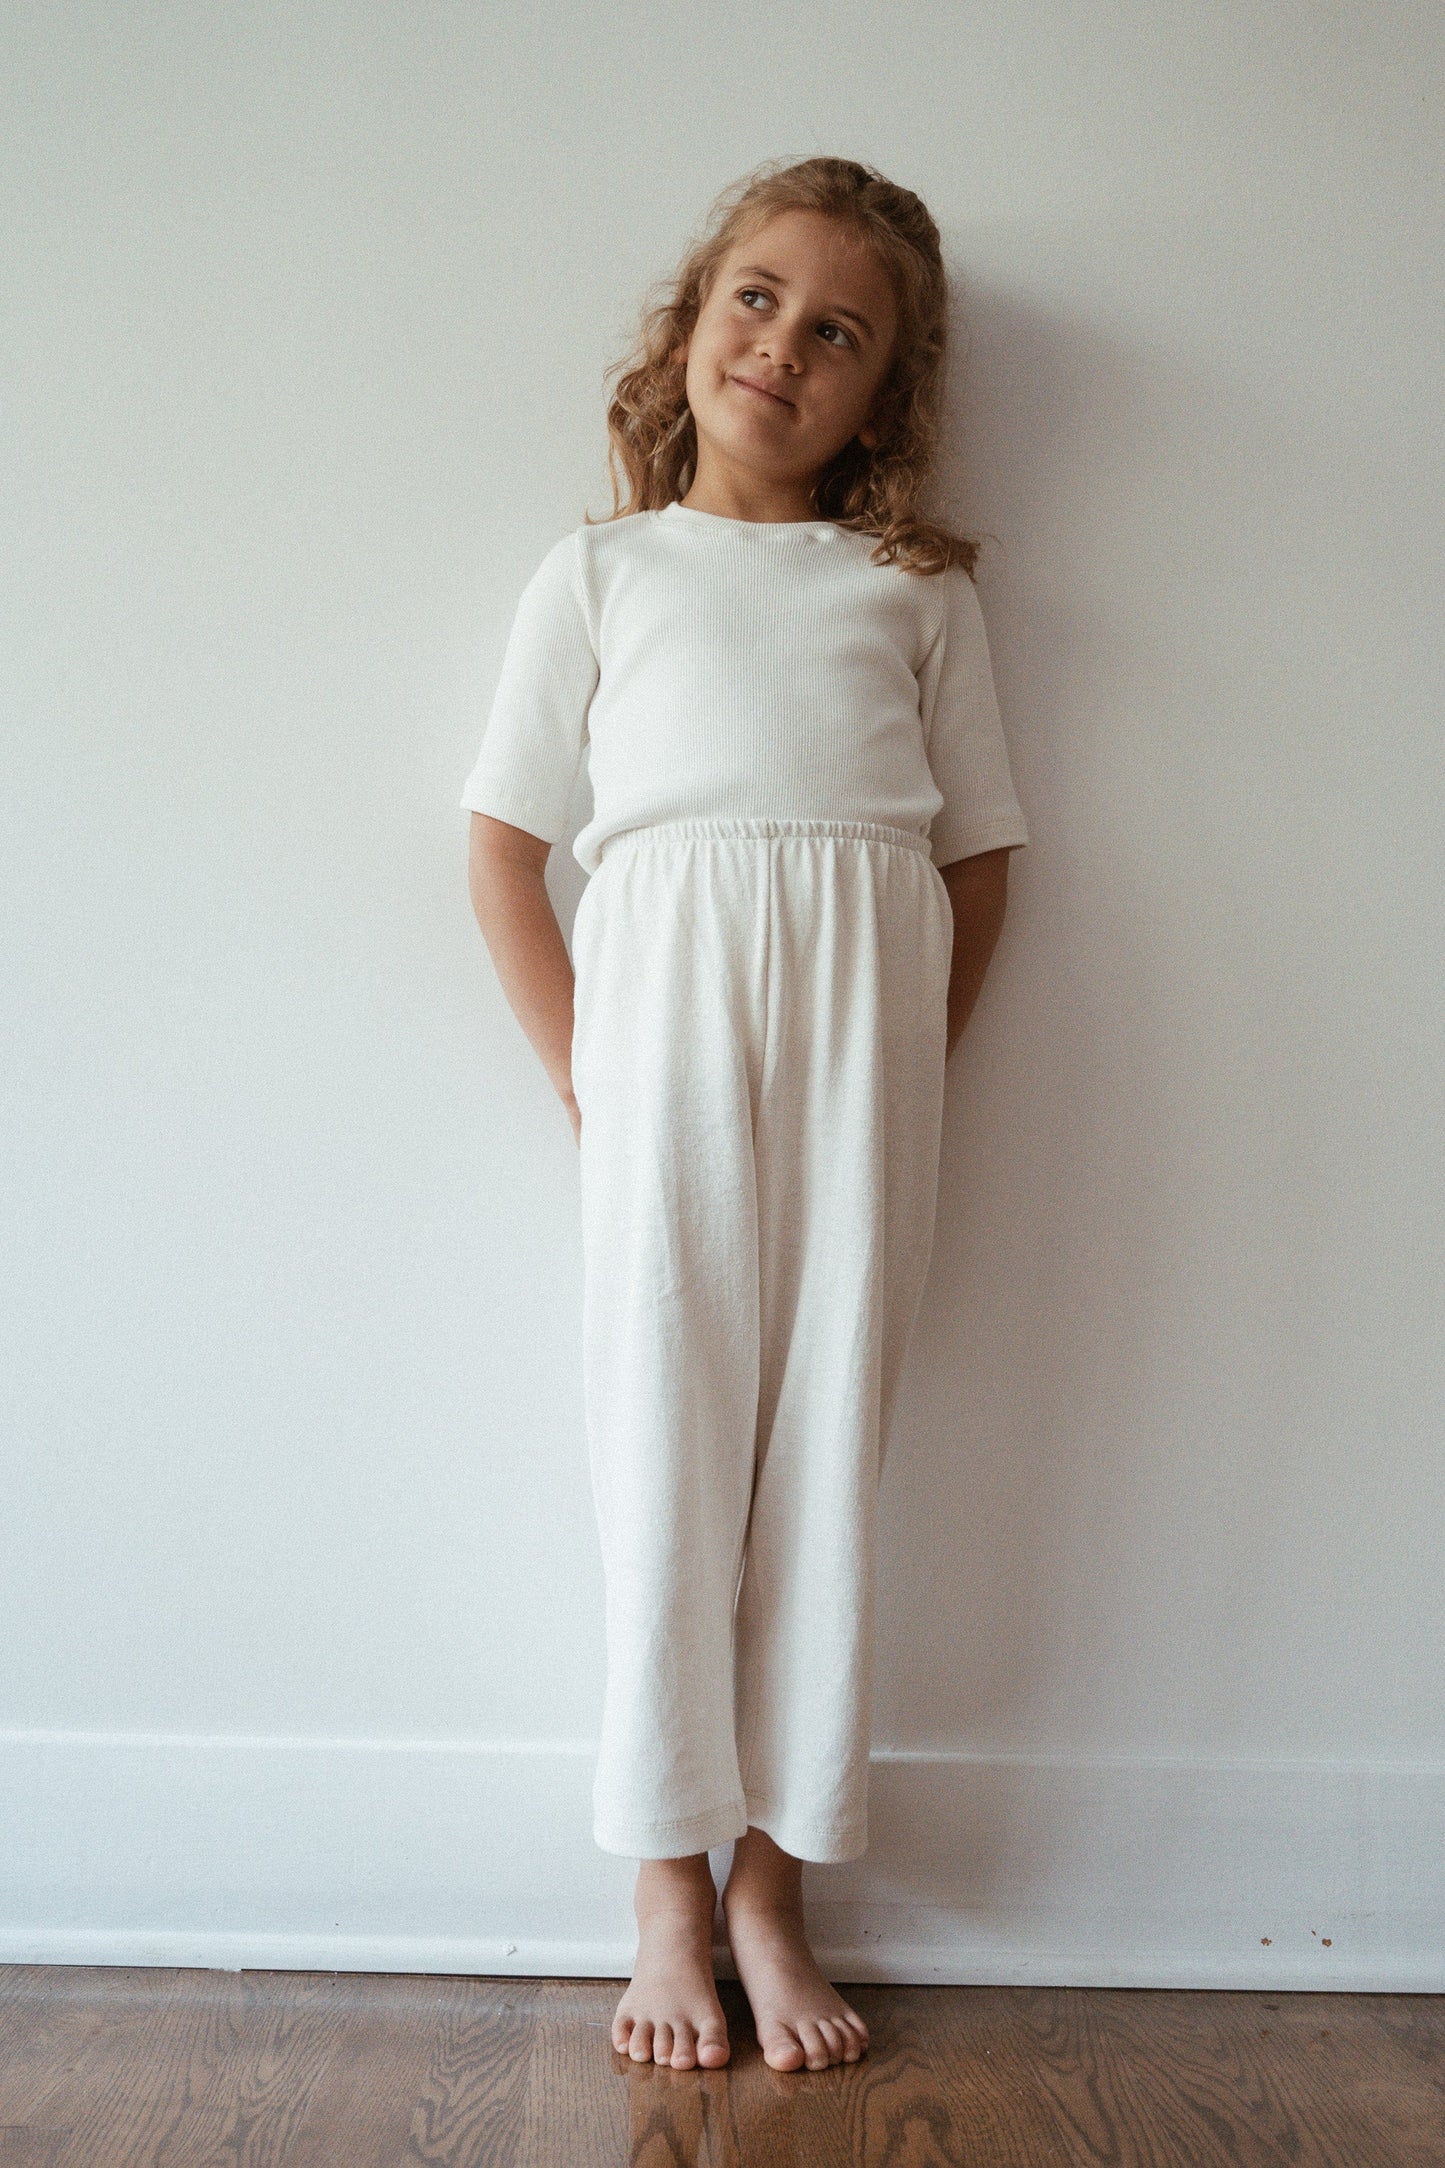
column 811, row 245
column 805, row 233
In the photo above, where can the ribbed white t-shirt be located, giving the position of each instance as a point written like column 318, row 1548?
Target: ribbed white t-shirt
column 719, row 667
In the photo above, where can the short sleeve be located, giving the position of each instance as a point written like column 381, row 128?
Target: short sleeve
column 963, row 732
column 532, row 747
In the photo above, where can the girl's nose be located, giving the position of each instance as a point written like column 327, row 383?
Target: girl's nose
column 781, row 346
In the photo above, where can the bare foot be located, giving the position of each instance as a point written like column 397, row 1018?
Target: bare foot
column 671, row 2013
column 800, row 2018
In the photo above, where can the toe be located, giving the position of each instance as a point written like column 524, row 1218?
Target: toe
column 782, row 2049
column 684, row 2046
column 832, row 2033
column 712, row 2044
column 621, row 2033
column 815, row 2047
column 662, row 2042
column 640, row 2046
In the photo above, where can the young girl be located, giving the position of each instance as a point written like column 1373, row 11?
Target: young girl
column 803, row 812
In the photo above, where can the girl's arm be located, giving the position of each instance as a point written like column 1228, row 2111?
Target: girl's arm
column 505, row 874
column 977, row 889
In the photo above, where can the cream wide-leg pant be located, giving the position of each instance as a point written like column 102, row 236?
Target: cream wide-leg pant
column 758, row 1057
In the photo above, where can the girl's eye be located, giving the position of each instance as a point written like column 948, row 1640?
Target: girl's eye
column 745, row 291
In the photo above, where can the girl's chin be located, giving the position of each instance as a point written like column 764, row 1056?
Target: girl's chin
column 745, row 427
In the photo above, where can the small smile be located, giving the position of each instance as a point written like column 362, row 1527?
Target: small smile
column 762, row 391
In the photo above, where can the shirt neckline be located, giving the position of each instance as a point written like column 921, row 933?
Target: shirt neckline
column 690, row 512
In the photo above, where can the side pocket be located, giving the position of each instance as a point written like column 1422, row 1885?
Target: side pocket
column 582, row 920
column 580, row 913
column 945, row 909
column 945, row 920
column 581, row 979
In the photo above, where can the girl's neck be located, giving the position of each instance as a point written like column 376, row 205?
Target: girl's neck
column 775, row 506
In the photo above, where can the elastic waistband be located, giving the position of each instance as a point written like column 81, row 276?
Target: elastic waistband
column 756, row 829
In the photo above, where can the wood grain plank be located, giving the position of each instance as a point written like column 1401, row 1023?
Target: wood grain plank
column 1209, row 2074
column 574, row 2109
column 1412, row 2024
column 361, row 2109
column 893, row 2106
column 473, row 2098
column 166, row 2035
column 23, row 2147
column 1384, row 2053
column 50, row 2014
column 989, row 2117
column 1106, row 2091
column 1131, row 2075
column 257, row 2098
column 108, row 2020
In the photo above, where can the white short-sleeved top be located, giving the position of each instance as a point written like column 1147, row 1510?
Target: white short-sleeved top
column 719, row 667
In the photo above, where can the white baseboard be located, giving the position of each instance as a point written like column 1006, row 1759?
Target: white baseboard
column 477, row 1858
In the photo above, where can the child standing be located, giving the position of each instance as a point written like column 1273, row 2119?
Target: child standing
column 803, row 812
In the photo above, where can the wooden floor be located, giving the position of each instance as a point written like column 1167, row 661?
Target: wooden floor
column 121, row 2067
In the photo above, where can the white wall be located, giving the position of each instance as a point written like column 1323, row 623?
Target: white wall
column 302, row 374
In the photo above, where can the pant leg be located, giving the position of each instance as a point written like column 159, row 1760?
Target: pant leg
column 847, row 1151
column 670, row 952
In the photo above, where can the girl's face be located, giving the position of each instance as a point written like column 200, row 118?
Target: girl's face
column 792, row 342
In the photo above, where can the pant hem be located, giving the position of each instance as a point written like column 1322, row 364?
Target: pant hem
column 827, row 1844
column 674, row 1839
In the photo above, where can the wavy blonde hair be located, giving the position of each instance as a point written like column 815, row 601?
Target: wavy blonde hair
column 651, row 434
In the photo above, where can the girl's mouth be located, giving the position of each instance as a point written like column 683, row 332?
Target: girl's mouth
column 775, row 398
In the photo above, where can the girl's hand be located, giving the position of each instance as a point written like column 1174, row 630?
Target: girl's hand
column 977, row 889
column 506, row 872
